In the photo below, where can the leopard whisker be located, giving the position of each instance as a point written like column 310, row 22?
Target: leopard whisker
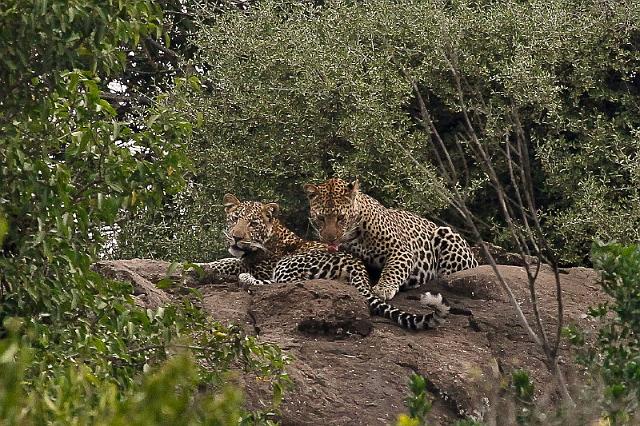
column 313, row 225
column 257, row 245
column 348, row 234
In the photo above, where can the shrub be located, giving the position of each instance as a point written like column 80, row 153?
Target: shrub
column 618, row 345
column 73, row 345
column 613, row 383
column 417, row 402
column 296, row 92
column 77, row 396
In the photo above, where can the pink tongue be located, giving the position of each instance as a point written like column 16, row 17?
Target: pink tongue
column 332, row 248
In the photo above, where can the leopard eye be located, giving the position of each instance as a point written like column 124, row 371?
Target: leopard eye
column 340, row 217
column 320, row 218
column 254, row 223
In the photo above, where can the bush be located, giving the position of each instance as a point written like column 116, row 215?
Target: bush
column 77, row 396
column 63, row 379
column 618, row 345
column 613, row 383
column 73, row 345
column 296, row 92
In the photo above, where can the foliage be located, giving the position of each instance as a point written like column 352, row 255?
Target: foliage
column 523, row 390
column 618, row 339
column 417, row 402
column 612, row 387
column 419, row 405
column 153, row 65
column 93, row 365
column 296, row 92
column 74, row 343
column 165, row 395
column 68, row 166
column 188, row 226
column 4, row 227
column 522, row 385
column 42, row 38
column 405, row 420
column 65, row 176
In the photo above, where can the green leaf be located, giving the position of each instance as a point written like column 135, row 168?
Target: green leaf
column 165, row 283
column 106, row 106
column 4, row 227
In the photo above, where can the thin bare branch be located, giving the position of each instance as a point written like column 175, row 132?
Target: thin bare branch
column 467, row 215
column 519, row 203
column 506, row 204
column 523, row 147
column 519, row 211
column 159, row 46
column 451, row 175
column 466, row 173
column 128, row 99
column 541, row 339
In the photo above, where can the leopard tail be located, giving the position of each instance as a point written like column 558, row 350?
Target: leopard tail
column 407, row 320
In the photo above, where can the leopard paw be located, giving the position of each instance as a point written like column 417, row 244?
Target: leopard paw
column 384, row 292
column 246, row 279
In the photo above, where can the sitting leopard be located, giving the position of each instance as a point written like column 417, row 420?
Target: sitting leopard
column 408, row 249
column 265, row 251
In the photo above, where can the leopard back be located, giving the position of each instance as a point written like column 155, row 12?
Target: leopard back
column 409, row 250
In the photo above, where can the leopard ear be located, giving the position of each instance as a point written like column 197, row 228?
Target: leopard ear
column 230, row 202
column 271, row 210
column 354, row 187
column 311, row 190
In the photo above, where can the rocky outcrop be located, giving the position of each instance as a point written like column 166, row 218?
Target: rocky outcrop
column 352, row 369
column 142, row 274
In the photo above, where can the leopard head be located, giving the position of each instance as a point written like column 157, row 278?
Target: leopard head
column 249, row 225
column 333, row 210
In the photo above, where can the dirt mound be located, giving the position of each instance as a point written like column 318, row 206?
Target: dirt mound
column 350, row 368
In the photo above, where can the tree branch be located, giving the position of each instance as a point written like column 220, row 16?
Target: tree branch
column 169, row 52
column 129, row 98
column 519, row 213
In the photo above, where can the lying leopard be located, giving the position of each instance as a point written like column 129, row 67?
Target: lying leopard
column 408, row 249
column 265, row 251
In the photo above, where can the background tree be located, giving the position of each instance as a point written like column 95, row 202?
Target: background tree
column 295, row 93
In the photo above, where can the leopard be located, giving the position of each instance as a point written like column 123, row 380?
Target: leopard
column 265, row 251
column 406, row 249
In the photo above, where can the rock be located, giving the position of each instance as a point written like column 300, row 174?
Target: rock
column 146, row 294
column 350, row 368
column 502, row 256
column 315, row 309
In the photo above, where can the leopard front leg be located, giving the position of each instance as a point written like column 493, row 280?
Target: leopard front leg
column 285, row 270
column 395, row 273
column 224, row 269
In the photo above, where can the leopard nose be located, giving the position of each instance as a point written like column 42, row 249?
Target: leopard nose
column 236, row 238
column 329, row 238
